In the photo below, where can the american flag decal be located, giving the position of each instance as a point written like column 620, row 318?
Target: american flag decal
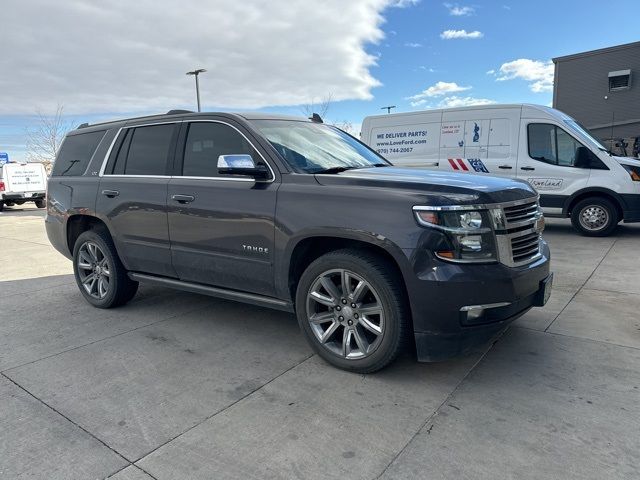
column 459, row 165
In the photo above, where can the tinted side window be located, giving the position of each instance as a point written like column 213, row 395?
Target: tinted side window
column 206, row 141
column 149, row 150
column 551, row 144
column 76, row 152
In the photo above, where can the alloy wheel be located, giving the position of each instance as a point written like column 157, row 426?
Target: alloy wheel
column 94, row 270
column 345, row 314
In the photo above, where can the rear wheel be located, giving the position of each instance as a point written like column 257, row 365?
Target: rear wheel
column 40, row 203
column 99, row 273
column 352, row 310
column 595, row 217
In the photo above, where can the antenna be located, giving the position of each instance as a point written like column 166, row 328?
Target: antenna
column 388, row 108
column 315, row 118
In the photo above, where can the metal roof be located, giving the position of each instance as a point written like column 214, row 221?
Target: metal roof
column 596, row 52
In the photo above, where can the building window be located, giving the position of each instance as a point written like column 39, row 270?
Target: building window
column 620, row 80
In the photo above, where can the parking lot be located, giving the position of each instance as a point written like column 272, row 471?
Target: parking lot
column 176, row 385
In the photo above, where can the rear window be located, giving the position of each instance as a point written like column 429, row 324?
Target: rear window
column 149, row 150
column 75, row 154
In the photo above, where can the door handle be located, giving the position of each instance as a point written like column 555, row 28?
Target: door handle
column 527, row 168
column 505, row 167
column 183, row 198
column 110, row 193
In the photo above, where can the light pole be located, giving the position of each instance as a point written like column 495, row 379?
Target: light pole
column 195, row 73
column 388, row 109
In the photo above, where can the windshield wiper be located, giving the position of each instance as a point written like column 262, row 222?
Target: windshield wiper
column 334, row 170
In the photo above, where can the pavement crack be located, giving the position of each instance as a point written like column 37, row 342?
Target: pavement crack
column 66, row 418
column 581, row 286
column 430, row 418
column 222, row 410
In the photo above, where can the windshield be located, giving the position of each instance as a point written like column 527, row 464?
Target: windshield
column 315, row 148
column 584, row 133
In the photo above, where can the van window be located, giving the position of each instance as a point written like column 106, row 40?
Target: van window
column 206, row 141
column 75, row 154
column 149, row 150
column 551, row 144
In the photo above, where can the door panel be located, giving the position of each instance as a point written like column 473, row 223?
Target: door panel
column 221, row 227
column 225, row 236
column 136, row 210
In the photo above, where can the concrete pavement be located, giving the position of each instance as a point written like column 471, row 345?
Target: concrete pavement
column 176, row 385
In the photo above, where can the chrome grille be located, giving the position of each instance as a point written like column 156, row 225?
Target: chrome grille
column 518, row 238
column 521, row 214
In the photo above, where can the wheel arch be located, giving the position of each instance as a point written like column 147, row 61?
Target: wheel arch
column 78, row 224
column 304, row 250
column 580, row 195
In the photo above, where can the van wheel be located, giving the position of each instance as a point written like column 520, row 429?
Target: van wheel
column 99, row 273
column 40, row 203
column 594, row 217
column 352, row 310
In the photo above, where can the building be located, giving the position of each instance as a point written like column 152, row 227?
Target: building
column 601, row 90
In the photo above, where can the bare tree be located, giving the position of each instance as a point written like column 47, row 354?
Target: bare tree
column 45, row 137
column 321, row 107
column 346, row 126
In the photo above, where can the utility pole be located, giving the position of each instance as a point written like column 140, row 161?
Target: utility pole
column 388, row 109
column 195, row 73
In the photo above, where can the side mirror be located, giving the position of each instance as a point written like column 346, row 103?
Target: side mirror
column 241, row 164
column 584, row 158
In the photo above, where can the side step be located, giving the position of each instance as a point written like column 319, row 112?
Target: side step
column 260, row 300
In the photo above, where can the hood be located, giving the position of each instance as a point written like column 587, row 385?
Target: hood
column 627, row 160
column 441, row 188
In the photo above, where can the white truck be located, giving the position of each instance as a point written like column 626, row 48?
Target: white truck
column 575, row 175
column 22, row 182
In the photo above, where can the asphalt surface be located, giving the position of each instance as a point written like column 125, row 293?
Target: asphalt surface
column 176, row 385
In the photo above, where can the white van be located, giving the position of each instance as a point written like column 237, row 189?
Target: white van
column 22, row 182
column 574, row 174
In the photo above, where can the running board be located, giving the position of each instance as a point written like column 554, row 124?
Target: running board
column 259, row 300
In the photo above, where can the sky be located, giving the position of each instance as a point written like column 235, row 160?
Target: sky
column 117, row 58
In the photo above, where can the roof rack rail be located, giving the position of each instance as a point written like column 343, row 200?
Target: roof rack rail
column 176, row 112
column 82, row 125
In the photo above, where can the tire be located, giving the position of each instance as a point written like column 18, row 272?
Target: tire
column 99, row 273
column 373, row 340
column 40, row 203
column 9, row 204
column 595, row 217
column 1, row 206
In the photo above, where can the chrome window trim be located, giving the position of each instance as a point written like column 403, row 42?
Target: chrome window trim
column 176, row 122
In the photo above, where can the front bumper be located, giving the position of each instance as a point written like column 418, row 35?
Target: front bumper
column 444, row 298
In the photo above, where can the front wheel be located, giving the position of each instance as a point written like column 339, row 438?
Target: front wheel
column 595, row 217
column 352, row 310
column 99, row 273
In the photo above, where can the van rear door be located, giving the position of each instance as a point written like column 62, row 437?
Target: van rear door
column 480, row 141
column 24, row 177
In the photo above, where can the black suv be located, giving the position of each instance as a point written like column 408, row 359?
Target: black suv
column 297, row 215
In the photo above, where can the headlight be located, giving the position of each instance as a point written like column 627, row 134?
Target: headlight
column 634, row 172
column 469, row 233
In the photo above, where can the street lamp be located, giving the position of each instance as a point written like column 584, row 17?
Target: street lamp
column 195, row 73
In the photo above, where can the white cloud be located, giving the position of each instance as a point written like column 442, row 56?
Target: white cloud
column 538, row 73
column 120, row 56
column 437, row 90
column 491, row 72
column 413, row 45
column 454, row 101
column 428, row 69
column 458, row 11
column 453, row 34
